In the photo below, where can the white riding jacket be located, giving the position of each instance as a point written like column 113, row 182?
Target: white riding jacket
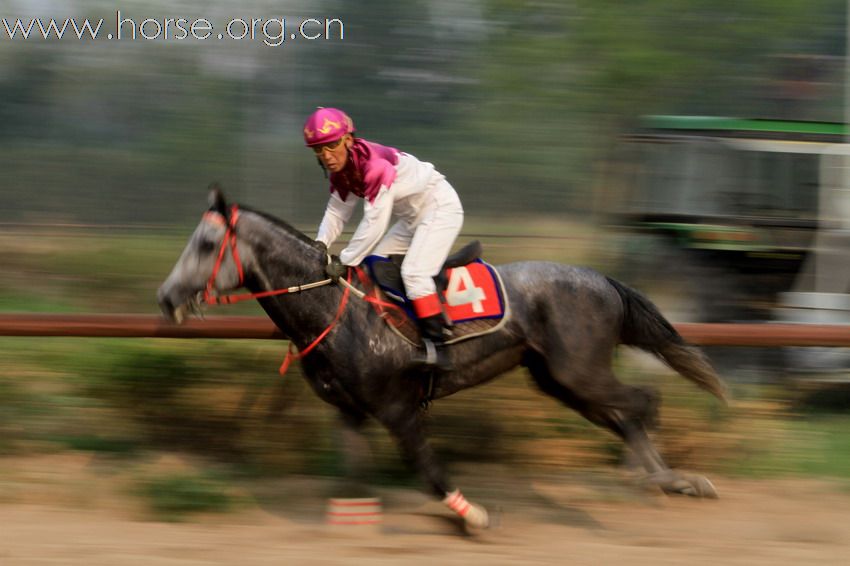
column 428, row 216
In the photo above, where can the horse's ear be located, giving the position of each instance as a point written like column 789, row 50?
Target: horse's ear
column 216, row 200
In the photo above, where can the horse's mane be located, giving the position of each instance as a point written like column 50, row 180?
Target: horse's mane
column 281, row 224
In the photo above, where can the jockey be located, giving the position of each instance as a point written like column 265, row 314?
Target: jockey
column 393, row 185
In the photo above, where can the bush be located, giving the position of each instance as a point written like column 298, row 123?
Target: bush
column 174, row 496
column 141, row 376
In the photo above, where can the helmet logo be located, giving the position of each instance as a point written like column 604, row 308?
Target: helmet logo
column 326, row 125
column 329, row 125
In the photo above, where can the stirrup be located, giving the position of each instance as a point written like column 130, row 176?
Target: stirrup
column 430, row 352
column 433, row 357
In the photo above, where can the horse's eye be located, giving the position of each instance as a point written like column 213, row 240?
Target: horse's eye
column 206, row 246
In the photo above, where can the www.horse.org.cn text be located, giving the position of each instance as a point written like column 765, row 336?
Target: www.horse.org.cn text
column 272, row 32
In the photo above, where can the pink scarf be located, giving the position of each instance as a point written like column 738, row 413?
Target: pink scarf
column 370, row 166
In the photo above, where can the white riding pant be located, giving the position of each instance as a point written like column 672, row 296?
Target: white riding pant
column 428, row 243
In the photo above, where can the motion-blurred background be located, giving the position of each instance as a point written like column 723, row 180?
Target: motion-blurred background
column 590, row 132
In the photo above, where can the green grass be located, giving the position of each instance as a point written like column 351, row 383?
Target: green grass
column 34, row 303
column 813, row 447
column 122, row 395
column 826, row 451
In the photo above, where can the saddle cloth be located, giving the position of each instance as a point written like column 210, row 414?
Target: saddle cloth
column 473, row 297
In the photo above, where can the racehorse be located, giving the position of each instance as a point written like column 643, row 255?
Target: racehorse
column 564, row 325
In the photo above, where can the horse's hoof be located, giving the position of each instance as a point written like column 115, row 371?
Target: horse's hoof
column 477, row 517
column 691, row 485
column 703, row 487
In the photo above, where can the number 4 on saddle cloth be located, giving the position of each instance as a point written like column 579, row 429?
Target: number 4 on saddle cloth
column 471, row 291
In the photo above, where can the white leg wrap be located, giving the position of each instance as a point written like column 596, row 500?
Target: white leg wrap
column 474, row 515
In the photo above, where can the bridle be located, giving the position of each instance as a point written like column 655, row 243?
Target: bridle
column 229, row 238
column 229, row 241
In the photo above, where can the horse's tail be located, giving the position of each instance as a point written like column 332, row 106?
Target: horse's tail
column 646, row 328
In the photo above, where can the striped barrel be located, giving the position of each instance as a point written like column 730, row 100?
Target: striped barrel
column 360, row 511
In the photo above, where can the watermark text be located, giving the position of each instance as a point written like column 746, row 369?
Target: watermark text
column 272, row 32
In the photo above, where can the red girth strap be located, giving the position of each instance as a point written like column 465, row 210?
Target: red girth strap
column 383, row 308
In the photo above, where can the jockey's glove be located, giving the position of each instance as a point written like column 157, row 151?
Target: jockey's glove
column 335, row 269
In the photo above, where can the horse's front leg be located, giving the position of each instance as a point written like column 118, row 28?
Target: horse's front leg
column 357, row 455
column 410, row 434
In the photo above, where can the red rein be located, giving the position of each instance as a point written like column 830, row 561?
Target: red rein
column 295, row 355
column 230, row 241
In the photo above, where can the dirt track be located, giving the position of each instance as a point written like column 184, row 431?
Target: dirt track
column 575, row 520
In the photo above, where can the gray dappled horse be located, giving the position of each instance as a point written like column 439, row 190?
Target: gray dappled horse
column 565, row 323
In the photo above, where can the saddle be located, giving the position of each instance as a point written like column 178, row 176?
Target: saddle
column 470, row 289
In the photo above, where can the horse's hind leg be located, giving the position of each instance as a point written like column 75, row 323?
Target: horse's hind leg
column 408, row 430
column 670, row 481
column 625, row 410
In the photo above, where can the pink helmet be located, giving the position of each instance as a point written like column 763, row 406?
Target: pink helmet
column 326, row 125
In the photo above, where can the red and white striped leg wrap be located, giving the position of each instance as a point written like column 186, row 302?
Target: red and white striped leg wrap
column 457, row 503
column 474, row 515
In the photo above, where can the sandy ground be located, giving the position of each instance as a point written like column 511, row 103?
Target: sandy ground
column 59, row 511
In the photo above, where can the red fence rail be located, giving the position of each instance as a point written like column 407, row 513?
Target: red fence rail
column 261, row 328
column 137, row 326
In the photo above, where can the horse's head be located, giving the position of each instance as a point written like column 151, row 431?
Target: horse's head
column 213, row 260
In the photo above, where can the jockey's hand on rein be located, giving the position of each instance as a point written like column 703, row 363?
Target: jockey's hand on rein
column 335, row 269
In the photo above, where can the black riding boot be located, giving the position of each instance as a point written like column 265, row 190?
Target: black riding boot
column 433, row 355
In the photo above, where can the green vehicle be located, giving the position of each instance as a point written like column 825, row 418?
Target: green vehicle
column 723, row 216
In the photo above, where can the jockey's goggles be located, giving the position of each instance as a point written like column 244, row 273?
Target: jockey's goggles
column 330, row 146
